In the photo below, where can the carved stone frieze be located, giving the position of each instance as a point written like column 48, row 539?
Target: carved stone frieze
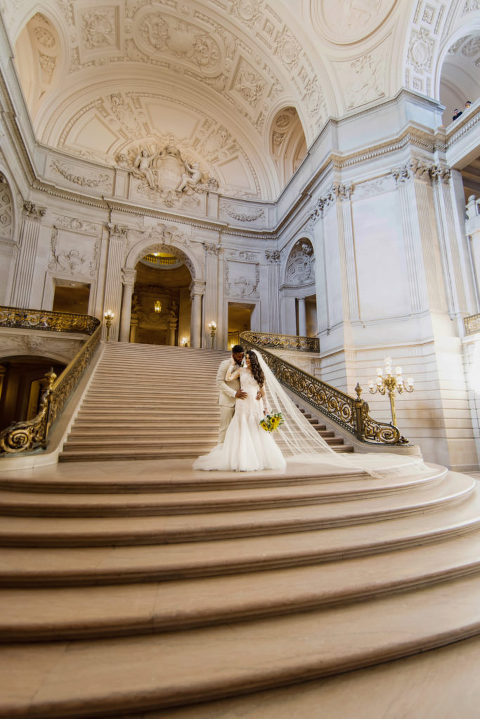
column 98, row 27
column 6, row 210
column 417, row 167
column 237, row 212
column 94, row 182
column 374, row 187
column 242, row 278
column 76, row 225
column 68, row 260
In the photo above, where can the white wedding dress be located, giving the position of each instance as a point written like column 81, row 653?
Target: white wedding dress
column 247, row 447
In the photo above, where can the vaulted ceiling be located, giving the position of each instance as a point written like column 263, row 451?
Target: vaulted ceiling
column 240, row 86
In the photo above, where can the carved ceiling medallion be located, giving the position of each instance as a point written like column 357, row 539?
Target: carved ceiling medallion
column 351, row 21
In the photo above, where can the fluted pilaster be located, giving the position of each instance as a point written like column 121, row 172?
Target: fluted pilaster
column 128, row 286
column 113, row 284
column 26, row 259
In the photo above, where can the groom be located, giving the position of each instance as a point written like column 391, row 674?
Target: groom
column 228, row 391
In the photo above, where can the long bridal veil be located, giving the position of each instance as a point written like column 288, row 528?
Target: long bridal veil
column 299, row 441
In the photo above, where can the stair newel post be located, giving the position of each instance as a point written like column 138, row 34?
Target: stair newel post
column 359, row 412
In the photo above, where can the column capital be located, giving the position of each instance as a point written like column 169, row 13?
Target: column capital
column 272, row 256
column 197, row 287
column 32, row 211
column 211, row 248
column 128, row 277
column 115, row 230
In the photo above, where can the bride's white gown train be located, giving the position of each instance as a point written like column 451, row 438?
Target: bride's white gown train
column 247, row 447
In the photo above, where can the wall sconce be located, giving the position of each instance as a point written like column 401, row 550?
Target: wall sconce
column 212, row 326
column 157, row 306
column 108, row 316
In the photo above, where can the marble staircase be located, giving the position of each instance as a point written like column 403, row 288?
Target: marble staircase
column 138, row 587
column 142, row 589
column 151, row 402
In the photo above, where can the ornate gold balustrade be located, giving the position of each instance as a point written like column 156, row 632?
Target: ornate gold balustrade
column 29, row 435
column 44, row 320
column 472, row 324
column 348, row 412
column 283, row 342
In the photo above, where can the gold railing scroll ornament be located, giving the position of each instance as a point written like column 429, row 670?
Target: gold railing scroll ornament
column 44, row 320
column 346, row 411
column 29, row 435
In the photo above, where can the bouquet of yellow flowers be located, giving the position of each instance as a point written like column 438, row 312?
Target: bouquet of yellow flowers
column 271, row 422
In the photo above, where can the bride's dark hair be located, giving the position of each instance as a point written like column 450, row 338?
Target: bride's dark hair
column 257, row 371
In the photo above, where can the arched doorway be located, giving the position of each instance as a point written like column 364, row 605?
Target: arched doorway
column 161, row 304
column 22, row 380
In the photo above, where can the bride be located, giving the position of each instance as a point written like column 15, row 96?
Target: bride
column 247, row 447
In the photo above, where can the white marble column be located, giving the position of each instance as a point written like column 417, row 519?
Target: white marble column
column 302, row 317
column 273, row 259
column 128, row 286
column 210, row 301
column 26, row 259
column 343, row 194
column 196, row 293
column 112, row 299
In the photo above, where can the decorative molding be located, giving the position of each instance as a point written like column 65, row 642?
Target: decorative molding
column 73, row 224
column 241, row 279
column 299, row 268
column 211, row 249
column 233, row 211
column 272, row 256
column 32, row 211
column 103, row 180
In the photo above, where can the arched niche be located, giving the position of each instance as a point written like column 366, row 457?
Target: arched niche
column 298, row 290
column 288, row 146
column 459, row 74
column 38, row 57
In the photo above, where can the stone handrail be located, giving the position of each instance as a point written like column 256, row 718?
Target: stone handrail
column 30, row 435
column 348, row 412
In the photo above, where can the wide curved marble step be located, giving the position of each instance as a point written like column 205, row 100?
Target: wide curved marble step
column 120, row 610
column 202, row 500
column 177, row 476
column 117, row 676
column 125, row 530
column 42, row 567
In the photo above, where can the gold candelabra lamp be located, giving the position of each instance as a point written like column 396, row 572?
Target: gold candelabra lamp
column 184, row 341
column 389, row 383
column 108, row 316
column 212, row 326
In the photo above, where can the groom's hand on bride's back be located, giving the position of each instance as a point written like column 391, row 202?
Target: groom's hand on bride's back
column 240, row 394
